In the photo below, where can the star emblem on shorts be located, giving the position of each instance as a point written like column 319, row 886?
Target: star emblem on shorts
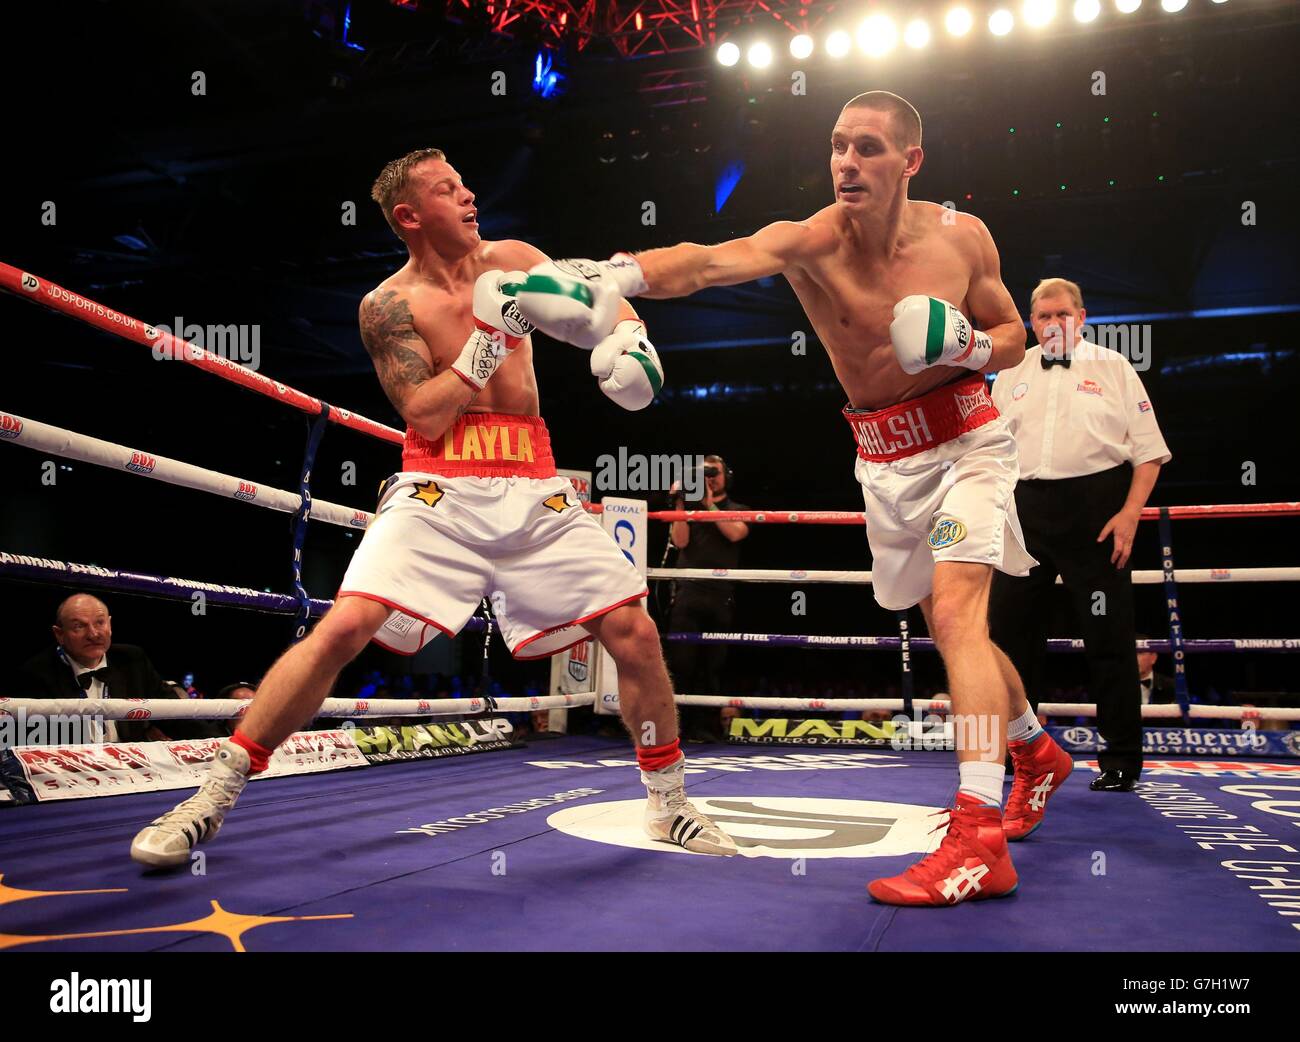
column 428, row 493
column 557, row 502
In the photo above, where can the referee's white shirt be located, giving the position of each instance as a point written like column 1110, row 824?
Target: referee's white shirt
column 1082, row 420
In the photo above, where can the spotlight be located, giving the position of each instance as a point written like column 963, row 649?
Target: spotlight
column 546, row 81
column 838, row 44
column 878, row 35
column 1127, row 6
column 801, row 46
column 917, row 34
column 1001, row 22
column 1086, row 10
column 958, row 21
column 1173, row 6
column 728, row 54
column 1039, row 12
column 760, row 56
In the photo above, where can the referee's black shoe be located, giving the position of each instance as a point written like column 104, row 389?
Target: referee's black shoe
column 1113, row 781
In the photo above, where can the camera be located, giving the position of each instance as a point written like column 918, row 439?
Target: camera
column 693, row 481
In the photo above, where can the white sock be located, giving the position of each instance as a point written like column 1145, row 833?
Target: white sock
column 1025, row 727
column 982, row 780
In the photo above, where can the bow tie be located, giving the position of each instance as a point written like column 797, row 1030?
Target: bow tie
column 1049, row 362
column 87, row 678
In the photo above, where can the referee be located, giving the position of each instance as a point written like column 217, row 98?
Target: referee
column 1090, row 451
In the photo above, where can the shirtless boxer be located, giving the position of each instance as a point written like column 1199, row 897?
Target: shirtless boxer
column 477, row 510
column 894, row 288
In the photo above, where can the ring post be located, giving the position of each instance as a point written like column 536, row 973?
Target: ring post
column 300, row 519
column 1176, row 645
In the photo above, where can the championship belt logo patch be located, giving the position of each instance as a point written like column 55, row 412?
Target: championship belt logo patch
column 945, row 532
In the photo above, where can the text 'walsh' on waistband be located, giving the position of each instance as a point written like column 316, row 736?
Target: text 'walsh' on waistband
column 911, row 427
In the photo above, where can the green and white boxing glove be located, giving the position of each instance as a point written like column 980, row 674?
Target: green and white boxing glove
column 626, row 366
column 577, row 300
column 499, row 327
column 928, row 331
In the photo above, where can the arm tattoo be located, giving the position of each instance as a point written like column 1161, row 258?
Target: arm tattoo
column 390, row 337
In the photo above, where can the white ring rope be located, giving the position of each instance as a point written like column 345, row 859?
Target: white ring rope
column 346, row 708
column 69, row 444
column 233, row 708
column 776, row 575
column 941, row 706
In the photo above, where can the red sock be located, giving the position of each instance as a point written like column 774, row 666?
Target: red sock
column 657, row 757
column 258, row 755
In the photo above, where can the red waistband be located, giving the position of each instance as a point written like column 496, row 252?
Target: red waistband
column 486, row 445
column 903, row 430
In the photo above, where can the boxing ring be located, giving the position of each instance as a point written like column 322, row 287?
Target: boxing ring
column 534, row 849
column 537, row 846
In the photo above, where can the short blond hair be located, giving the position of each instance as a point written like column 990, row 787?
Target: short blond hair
column 1049, row 287
column 394, row 181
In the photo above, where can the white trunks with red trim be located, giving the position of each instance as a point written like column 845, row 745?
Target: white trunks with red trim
column 482, row 513
column 938, row 476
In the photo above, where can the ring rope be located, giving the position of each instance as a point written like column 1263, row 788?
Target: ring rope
column 45, row 570
column 345, row 708
column 234, row 708
column 858, row 517
column 33, row 434
column 1056, row 644
column 64, row 301
column 1145, row 577
column 1172, row 711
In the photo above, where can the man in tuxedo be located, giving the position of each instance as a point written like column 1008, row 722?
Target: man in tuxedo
column 1155, row 688
column 85, row 663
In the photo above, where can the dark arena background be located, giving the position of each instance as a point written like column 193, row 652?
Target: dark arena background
column 210, row 164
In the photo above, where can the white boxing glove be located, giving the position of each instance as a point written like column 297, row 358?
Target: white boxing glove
column 626, row 366
column 928, row 331
column 499, row 327
column 577, row 300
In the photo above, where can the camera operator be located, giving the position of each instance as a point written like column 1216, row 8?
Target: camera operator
column 704, row 604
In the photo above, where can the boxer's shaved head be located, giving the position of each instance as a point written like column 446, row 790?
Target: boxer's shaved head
column 394, row 183
column 904, row 120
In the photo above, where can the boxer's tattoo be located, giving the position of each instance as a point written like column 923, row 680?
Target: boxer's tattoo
column 389, row 335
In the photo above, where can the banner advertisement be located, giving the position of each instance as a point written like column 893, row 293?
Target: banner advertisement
column 395, row 744
column 33, row 773
column 1187, row 741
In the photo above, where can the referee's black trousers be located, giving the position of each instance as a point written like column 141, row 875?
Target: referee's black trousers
column 1061, row 520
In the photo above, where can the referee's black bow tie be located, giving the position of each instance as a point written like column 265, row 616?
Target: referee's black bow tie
column 1049, row 362
column 87, row 678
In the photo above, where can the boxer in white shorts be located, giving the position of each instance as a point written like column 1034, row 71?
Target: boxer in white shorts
column 500, row 525
column 476, row 511
column 938, row 476
column 907, row 298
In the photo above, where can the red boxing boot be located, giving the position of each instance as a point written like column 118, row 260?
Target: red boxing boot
column 1041, row 767
column 971, row 864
